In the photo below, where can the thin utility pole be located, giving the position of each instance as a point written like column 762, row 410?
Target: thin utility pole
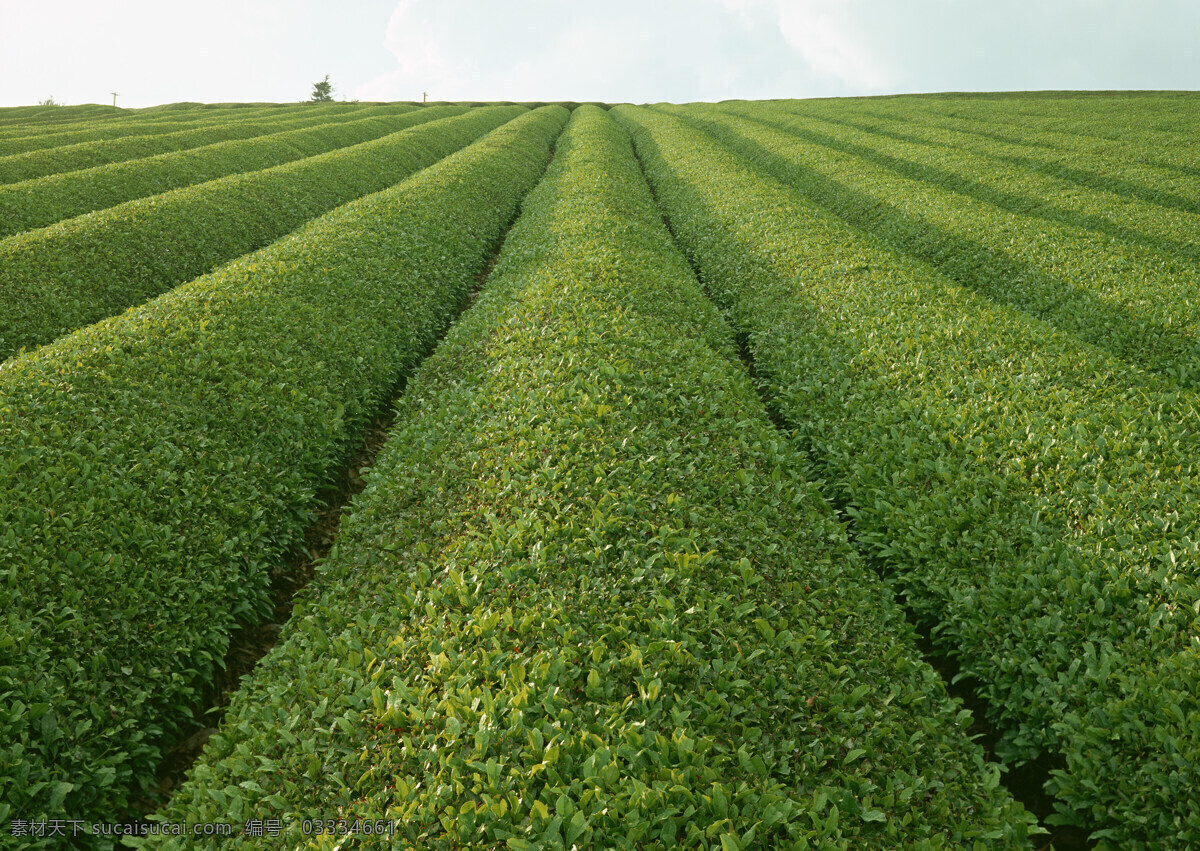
column 424, row 97
column 114, row 94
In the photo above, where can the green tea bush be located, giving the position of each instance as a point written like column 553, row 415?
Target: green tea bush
column 1124, row 286
column 40, row 163
column 56, row 279
column 124, row 126
column 586, row 598
column 1111, row 178
column 36, row 203
column 1031, row 497
column 154, row 467
column 36, row 115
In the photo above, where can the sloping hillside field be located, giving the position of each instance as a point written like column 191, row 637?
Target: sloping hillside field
column 695, row 463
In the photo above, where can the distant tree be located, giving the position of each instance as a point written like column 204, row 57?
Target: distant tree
column 50, row 101
column 322, row 91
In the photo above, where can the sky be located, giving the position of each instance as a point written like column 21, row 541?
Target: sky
column 163, row 51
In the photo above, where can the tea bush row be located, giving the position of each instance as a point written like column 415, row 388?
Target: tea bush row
column 1031, row 497
column 37, row 115
column 40, row 163
column 59, row 278
column 1119, row 288
column 1121, row 170
column 153, row 116
column 97, row 131
column 587, row 599
column 155, row 467
column 36, row 203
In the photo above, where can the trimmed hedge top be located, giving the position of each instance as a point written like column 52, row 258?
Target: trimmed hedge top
column 154, row 466
column 1029, row 495
column 56, row 279
column 586, row 598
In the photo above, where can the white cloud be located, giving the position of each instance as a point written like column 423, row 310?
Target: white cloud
column 828, row 37
column 639, row 50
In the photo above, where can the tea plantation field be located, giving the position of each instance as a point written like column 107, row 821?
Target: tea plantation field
column 698, row 462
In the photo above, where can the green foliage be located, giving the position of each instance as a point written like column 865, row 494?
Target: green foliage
column 587, row 599
column 33, row 116
column 322, row 91
column 153, row 467
column 60, row 278
column 1115, row 270
column 1032, row 497
column 1130, row 166
column 36, row 203
column 21, row 140
column 131, row 141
